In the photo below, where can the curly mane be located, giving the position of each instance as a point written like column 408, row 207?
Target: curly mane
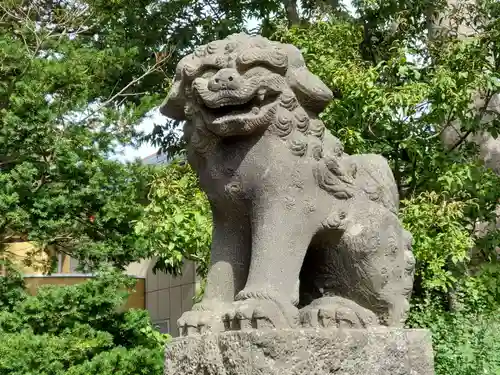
column 292, row 98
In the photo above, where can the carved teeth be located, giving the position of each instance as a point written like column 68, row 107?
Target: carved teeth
column 261, row 94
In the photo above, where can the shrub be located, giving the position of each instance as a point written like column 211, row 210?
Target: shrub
column 79, row 329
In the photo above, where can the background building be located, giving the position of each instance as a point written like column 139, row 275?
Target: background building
column 166, row 297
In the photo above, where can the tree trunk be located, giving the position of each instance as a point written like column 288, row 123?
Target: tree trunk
column 292, row 13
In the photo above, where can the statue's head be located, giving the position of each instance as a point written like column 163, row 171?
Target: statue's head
column 238, row 85
column 243, row 85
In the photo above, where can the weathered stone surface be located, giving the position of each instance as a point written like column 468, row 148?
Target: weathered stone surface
column 373, row 351
column 289, row 205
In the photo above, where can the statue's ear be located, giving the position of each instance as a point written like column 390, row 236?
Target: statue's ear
column 173, row 106
column 311, row 91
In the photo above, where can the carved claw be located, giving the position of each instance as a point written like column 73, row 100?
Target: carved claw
column 257, row 314
column 336, row 312
column 200, row 320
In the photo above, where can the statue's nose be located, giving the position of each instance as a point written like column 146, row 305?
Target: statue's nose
column 225, row 79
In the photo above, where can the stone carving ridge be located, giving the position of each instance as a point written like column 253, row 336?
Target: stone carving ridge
column 289, row 205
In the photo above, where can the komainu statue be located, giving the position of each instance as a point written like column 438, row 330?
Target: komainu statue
column 303, row 233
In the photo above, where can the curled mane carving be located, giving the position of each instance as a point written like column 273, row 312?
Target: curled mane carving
column 244, row 85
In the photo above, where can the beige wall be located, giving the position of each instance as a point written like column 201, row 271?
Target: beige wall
column 167, row 297
column 18, row 252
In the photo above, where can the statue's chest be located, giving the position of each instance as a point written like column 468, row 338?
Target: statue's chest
column 236, row 169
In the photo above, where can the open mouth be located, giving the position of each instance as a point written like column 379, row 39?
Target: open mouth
column 233, row 109
column 252, row 107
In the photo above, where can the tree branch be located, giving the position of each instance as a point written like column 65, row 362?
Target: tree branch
column 477, row 119
column 159, row 61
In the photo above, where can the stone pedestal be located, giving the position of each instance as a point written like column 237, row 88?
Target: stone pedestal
column 375, row 351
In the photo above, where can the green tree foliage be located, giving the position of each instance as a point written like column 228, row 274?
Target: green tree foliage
column 11, row 288
column 465, row 339
column 177, row 223
column 77, row 330
column 68, row 96
column 74, row 79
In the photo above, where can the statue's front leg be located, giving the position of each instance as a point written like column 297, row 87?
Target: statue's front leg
column 281, row 233
column 230, row 258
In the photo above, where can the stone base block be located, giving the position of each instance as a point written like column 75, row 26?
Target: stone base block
column 374, row 351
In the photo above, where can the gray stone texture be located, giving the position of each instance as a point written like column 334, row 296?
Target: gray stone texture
column 292, row 212
column 374, row 351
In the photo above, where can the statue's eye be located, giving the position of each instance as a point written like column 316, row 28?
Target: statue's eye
column 208, row 73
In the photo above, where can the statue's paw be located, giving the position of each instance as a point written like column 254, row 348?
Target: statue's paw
column 259, row 314
column 336, row 312
column 200, row 320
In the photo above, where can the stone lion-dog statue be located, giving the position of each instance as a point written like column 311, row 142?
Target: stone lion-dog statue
column 304, row 235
